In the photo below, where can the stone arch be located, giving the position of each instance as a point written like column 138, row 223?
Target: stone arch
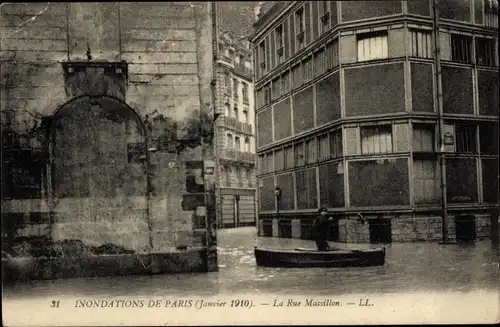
column 98, row 149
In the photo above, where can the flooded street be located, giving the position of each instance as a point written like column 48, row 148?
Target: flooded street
column 410, row 267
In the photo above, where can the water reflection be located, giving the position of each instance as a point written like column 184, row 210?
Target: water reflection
column 410, row 267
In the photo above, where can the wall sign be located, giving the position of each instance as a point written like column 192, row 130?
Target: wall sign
column 448, row 139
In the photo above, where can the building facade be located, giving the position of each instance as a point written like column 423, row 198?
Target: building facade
column 107, row 131
column 388, row 109
column 235, row 133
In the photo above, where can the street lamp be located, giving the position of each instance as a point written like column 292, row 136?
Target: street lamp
column 277, row 193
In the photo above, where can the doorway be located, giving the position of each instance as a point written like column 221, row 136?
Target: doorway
column 465, row 228
column 380, row 231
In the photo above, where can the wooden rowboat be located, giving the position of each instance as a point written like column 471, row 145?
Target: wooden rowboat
column 308, row 258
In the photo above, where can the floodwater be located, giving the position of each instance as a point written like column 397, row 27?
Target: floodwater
column 410, row 267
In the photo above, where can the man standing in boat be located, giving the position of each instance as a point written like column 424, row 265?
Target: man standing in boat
column 320, row 230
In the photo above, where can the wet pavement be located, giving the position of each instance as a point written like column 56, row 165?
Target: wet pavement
column 409, row 268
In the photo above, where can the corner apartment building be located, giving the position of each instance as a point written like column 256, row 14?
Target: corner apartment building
column 235, row 133
column 107, row 128
column 357, row 102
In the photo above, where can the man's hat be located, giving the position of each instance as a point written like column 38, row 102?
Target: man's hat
column 320, row 210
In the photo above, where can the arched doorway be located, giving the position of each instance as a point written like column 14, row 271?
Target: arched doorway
column 99, row 179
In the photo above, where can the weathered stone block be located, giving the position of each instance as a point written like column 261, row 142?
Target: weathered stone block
column 296, row 230
column 275, row 228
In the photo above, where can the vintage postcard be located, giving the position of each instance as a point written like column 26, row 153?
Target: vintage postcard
column 249, row 163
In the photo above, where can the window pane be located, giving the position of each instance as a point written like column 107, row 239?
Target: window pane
column 461, row 179
column 376, row 139
column 386, row 181
column 267, row 198
column 426, row 181
column 306, row 189
column 324, row 147
column 285, row 182
column 371, row 47
column 423, row 137
column 465, row 138
column 331, row 185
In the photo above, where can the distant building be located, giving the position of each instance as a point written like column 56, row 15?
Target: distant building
column 235, row 133
column 350, row 116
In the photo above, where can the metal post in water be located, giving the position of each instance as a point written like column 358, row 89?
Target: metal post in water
column 439, row 103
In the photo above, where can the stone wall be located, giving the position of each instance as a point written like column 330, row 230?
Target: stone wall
column 352, row 231
column 166, row 49
column 483, row 226
column 416, row 229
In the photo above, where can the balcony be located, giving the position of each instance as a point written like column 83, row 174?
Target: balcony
column 238, row 125
column 237, row 156
column 240, row 68
column 226, row 60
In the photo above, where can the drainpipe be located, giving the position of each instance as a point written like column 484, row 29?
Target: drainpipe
column 439, row 103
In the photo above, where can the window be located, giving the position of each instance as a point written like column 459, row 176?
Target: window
column 324, row 15
column 227, row 177
column 319, row 63
column 376, row 139
column 236, row 88
column 311, row 152
column 227, row 110
column 300, row 25
column 244, row 91
column 306, row 189
column 421, row 44
column 336, row 149
column 426, row 181
column 279, row 43
column 247, row 144
column 289, row 157
column 307, row 69
column 491, row 13
column 267, row 94
column 423, row 137
column 249, row 177
column 299, row 154
column 235, row 113
column 245, row 116
column 372, row 46
column 262, row 164
column 279, row 160
column 262, row 56
column 269, row 162
column 238, row 176
column 285, row 83
column 461, row 48
column 276, row 93
column 465, row 138
column 324, row 147
column 485, row 52
column 237, row 143
column 488, row 138
column 260, row 98
column 296, row 76
column 332, row 55
column 229, row 142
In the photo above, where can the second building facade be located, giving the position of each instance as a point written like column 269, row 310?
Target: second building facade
column 350, row 113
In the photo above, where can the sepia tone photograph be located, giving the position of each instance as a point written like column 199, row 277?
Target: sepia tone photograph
column 250, row 162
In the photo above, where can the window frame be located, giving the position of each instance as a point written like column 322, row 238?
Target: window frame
column 371, row 37
column 376, row 129
column 456, row 54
